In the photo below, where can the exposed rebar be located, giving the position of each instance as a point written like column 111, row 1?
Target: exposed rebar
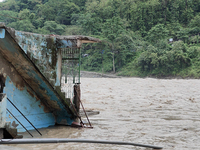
column 81, row 122
column 83, row 109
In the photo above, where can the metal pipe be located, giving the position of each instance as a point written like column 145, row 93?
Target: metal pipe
column 24, row 117
column 19, row 122
column 64, row 140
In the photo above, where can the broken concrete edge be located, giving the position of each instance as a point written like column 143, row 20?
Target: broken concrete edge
column 3, row 106
column 78, row 39
column 2, row 95
column 82, row 38
column 6, row 131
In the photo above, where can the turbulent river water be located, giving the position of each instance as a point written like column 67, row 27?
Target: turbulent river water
column 161, row 112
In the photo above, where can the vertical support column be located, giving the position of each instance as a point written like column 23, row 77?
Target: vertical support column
column 79, row 63
column 77, row 95
column 3, row 106
column 79, row 43
column 59, row 68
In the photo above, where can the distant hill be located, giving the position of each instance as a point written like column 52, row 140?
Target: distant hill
column 140, row 38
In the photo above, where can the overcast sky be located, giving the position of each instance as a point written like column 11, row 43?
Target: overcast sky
column 1, row 0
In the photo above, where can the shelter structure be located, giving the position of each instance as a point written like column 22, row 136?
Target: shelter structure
column 31, row 70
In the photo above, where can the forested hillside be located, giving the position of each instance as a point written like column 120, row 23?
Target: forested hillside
column 139, row 37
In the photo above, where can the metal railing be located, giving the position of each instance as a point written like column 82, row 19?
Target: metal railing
column 70, row 69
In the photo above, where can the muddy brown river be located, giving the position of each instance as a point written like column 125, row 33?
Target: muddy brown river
column 160, row 112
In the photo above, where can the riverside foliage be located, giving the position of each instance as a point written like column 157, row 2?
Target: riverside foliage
column 139, row 38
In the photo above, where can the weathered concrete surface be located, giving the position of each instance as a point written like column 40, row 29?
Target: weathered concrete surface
column 32, row 76
column 28, row 89
column 24, row 98
column 3, row 106
column 31, row 67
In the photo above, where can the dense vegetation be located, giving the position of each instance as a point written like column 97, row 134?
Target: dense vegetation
column 139, row 38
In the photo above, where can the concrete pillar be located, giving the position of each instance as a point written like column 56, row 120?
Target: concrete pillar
column 3, row 106
column 59, row 68
column 77, row 96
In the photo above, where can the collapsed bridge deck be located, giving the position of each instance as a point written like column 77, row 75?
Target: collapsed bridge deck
column 31, row 66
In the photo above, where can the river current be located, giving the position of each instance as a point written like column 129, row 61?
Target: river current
column 160, row 112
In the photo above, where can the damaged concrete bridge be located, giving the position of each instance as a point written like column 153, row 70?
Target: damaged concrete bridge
column 32, row 69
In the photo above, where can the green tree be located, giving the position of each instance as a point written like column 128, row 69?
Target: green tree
column 22, row 25
column 24, row 14
column 112, row 29
column 53, row 27
column 11, row 5
column 195, row 25
column 90, row 24
column 8, row 16
column 157, row 32
column 59, row 11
